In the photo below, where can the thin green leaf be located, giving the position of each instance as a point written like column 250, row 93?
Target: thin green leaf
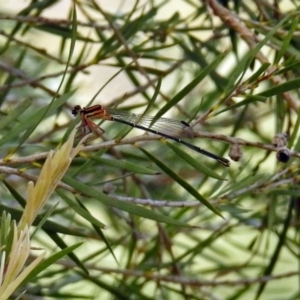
column 50, row 261
column 233, row 209
column 32, row 120
column 195, row 163
column 100, row 233
column 200, row 57
column 123, row 164
column 61, row 244
column 125, row 206
column 128, row 30
column 292, row 66
column 251, row 99
column 246, row 61
column 281, row 88
column 280, row 244
column 286, row 192
column 11, row 77
column 253, row 78
column 15, row 113
column 44, row 219
column 182, row 182
column 122, row 295
column 188, row 88
column 80, row 211
column 154, row 97
column 48, row 226
column 61, row 31
column 295, row 131
column 287, row 41
column 5, row 227
column 246, row 183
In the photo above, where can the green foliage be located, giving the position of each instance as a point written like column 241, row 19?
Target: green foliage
column 134, row 216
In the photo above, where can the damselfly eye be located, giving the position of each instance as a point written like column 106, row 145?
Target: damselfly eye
column 76, row 109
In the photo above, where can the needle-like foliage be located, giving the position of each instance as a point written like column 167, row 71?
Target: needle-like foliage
column 153, row 220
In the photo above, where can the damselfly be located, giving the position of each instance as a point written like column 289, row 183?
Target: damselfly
column 167, row 128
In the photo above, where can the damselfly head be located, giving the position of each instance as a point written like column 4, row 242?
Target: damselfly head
column 76, row 110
